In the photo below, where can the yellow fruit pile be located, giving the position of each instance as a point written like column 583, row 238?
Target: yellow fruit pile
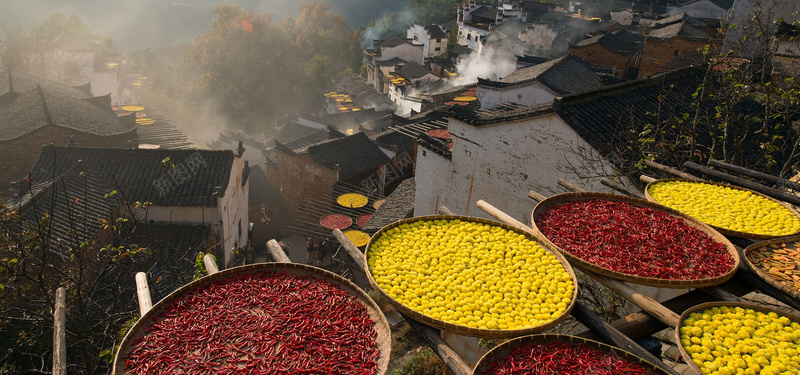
column 726, row 208
column 357, row 237
column 736, row 340
column 470, row 274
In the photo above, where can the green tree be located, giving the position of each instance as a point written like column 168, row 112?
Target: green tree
column 434, row 11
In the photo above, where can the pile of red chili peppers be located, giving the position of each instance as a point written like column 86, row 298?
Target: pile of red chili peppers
column 634, row 240
column 264, row 323
column 558, row 357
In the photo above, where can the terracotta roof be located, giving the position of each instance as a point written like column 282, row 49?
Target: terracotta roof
column 399, row 205
column 36, row 103
column 139, row 174
column 353, row 155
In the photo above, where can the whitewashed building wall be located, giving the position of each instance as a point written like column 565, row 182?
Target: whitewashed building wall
column 530, row 94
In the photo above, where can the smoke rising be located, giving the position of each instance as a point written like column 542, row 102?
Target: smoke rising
column 136, row 25
column 491, row 63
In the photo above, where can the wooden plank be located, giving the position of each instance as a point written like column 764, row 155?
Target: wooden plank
column 211, row 265
column 649, row 305
column 611, row 335
column 445, row 211
column 59, row 333
column 755, row 174
column 621, row 188
column 646, row 179
column 774, row 193
column 351, row 249
column 505, row 218
column 670, row 170
column 143, row 293
column 277, row 252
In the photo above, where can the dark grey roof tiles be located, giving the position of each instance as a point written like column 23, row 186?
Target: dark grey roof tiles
column 187, row 179
column 412, row 70
column 354, row 155
column 435, row 32
column 563, row 75
column 680, row 29
column 399, row 205
column 481, row 117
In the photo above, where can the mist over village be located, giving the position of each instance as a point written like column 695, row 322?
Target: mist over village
column 399, row 187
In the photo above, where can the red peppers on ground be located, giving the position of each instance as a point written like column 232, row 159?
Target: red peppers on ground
column 634, row 240
column 263, row 323
column 558, row 357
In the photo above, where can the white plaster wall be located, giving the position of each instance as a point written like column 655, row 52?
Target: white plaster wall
column 180, row 214
column 533, row 93
column 105, row 83
column 500, row 164
column 405, row 51
column 233, row 210
column 474, row 33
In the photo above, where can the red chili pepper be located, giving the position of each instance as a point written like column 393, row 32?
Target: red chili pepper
column 558, row 357
column 635, row 240
column 262, row 323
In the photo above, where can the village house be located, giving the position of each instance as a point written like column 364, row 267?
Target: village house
column 711, row 9
column 35, row 112
column 672, row 36
column 539, row 84
column 476, row 18
column 187, row 187
column 620, row 49
column 432, row 37
column 386, row 54
column 405, row 80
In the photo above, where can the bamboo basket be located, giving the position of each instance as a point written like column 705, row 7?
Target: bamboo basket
column 502, row 350
column 703, row 306
column 725, row 231
column 381, row 325
column 461, row 329
column 664, row 283
column 789, row 241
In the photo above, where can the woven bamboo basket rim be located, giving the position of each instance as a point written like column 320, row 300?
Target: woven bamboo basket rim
column 650, row 281
column 502, row 350
column 383, row 339
column 760, row 272
column 703, row 306
column 725, row 231
column 460, row 329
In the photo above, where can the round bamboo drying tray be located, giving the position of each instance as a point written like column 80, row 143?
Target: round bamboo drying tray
column 381, row 325
column 664, row 283
column 730, row 232
column 464, row 330
column 505, row 348
column 793, row 240
column 707, row 305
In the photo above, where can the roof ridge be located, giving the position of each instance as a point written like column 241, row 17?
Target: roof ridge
column 581, row 97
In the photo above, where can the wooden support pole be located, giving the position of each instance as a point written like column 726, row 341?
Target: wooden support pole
column 277, row 252
column 646, row 179
column 670, row 170
column 613, row 336
column 621, row 188
column 59, row 333
column 211, row 265
column 445, row 211
column 774, row 193
column 569, row 186
column 755, row 174
column 644, row 302
column 536, row 196
column 440, row 347
column 505, row 218
column 143, row 292
column 351, row 249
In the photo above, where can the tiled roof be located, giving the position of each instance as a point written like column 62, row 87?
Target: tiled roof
column 411, row 70
column 602, row 116
column 487, row 12
column 363, row 95
column 391, row 62
column 299, row 145
column 404, row 136
column 354, row 154
column 76, row 200
column 394, row 41
column 563, row 75
column 460, row 50
column 621, row 42
column 399, row 205
column 509, row 112
column 530, row 60
column 139, row 174
column 36, row 103
column 435, row 32
column 681, row 29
